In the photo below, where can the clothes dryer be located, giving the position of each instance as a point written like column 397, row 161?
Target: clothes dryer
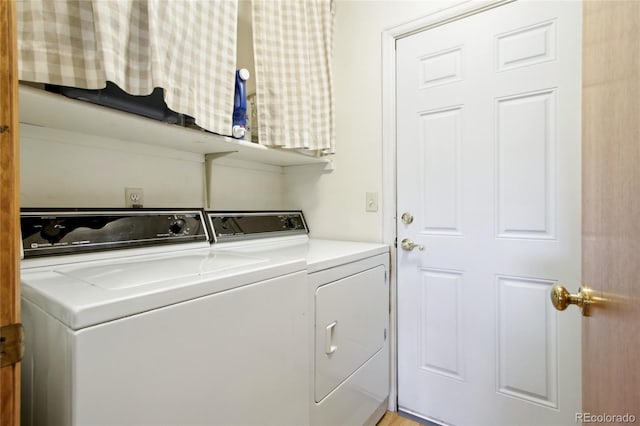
column 348, row 302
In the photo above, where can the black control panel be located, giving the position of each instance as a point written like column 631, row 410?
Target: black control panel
column 56, row 232
column 233, row 226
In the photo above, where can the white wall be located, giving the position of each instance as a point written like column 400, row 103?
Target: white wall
column 65, row 169
column 244, row 56
column 245, row 185
column 339, row 197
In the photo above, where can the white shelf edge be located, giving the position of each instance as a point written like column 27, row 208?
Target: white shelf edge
column 50, row 110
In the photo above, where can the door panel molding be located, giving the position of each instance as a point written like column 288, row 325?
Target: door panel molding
column 527, row 360
column 532, row 164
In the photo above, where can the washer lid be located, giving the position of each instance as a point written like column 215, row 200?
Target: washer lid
column 88, row 293
column 152, row 271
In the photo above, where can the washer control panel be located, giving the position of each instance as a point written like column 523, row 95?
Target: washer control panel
column 57, row 232
column 234, row 226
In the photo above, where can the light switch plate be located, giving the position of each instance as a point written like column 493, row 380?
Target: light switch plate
column 372, row 202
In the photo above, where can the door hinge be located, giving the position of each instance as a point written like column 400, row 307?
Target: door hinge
column 395, row 242
column 11, row 344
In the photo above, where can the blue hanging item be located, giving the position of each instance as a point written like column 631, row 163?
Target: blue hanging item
column 240, row 104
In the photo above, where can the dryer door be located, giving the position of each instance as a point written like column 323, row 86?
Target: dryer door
column 351, row 326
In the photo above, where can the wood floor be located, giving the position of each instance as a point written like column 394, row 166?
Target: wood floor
column 393, row 419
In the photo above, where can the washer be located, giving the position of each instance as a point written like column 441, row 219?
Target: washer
column 348, row 300
column 159, row 329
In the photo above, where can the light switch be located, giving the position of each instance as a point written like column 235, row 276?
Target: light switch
column 372, row 202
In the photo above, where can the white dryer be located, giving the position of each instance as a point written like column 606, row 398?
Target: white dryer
column 168, row 332
column 348, row 299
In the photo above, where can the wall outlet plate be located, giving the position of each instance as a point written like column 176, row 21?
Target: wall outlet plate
column 133, row 197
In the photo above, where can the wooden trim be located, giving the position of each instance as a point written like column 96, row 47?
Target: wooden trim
column 395, row 419
column 9, row 205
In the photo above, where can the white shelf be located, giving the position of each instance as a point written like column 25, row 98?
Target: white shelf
column 50, row 110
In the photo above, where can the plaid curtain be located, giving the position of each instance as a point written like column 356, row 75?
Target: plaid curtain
column 186, row 47
column 293, row 47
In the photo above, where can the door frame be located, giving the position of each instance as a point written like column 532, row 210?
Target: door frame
column 9, row 206
column 459, row 9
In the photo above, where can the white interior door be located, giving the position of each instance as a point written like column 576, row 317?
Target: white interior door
column 488, row 152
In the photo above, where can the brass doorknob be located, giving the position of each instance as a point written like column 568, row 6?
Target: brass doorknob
column 561, row 298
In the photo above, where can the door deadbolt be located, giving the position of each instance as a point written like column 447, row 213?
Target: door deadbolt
column 407, row 218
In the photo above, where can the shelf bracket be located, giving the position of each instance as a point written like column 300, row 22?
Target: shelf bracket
column 214, row 155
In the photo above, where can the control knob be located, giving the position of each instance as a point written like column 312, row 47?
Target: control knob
column 288, row 222
column 52, row 231
column 177, row 226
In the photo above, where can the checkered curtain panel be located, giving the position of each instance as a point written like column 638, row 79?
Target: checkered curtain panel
column 293, row 46
column 186, row 47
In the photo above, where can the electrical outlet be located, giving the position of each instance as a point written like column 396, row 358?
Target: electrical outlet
column 372, row 202
column 133, row 197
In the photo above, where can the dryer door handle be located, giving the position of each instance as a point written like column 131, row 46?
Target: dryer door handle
column 329, row 338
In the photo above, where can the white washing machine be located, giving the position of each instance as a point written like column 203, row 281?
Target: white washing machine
column 168, row 332
column 348, row 299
